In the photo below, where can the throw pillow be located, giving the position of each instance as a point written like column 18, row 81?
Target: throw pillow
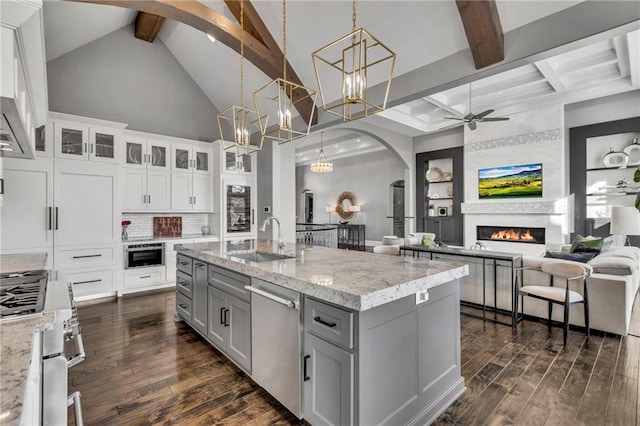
column 583, row 257
column 426, row 241
column 586, row 244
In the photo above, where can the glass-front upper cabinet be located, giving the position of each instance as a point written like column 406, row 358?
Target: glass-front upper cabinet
column 81, row 142
column 238, row 164
column 147, row 154
column 192, row 158
column 202, row 161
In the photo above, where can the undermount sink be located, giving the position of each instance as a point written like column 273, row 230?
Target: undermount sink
column 256, row 256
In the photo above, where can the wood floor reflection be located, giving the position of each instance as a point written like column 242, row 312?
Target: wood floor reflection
column 144, row 368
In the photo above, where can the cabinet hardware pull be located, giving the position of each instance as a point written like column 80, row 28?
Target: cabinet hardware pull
column 253, row 216
column 183, row 284
column 74, row 399
column 270, row 296
column 1, row 186
column 323, row 322
column 91, row 148
column 81, row 355
column 56, row 218
column 87, row 255
column 88, row 282
column 226, row 318
column 183, row 263
column 305, row 377
column 194, row 200
column 49, row 218
column 222, row 316
column 149, row 198
column 183, row 306
column 199, row 265
column 84, row 149
column 145, row 276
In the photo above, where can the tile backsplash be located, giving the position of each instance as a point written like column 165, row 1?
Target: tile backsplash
column 142, row 223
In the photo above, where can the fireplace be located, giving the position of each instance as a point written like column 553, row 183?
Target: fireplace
column 513, row 234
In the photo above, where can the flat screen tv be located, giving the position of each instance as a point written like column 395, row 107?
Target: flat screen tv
column 511, row 181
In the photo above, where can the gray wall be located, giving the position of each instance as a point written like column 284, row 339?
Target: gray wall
column 120, row 78
column 367, row 176
column 442, row 140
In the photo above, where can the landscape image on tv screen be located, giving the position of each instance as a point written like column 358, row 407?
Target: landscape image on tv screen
column 510, row 182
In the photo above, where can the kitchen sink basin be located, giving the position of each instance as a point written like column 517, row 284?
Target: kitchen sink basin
column 256, row 256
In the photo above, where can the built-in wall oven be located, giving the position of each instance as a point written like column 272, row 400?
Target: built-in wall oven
column 140, row 255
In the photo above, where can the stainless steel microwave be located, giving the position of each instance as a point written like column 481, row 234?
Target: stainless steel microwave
column 141, row 255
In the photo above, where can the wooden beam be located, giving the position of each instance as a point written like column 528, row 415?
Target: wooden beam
column 483, row 29
column 207, row 20
column 148, row 26
column 253, row 23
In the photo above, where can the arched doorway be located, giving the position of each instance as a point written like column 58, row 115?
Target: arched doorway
column 397, row 207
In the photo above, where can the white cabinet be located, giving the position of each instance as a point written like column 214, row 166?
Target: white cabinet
column 27, row 211
column 143, row 277
column 191, row 192
column 238, row 164
column 79, row 141
column 85, row 203
column 195, row 158
column 146, row 190
column 146, row 153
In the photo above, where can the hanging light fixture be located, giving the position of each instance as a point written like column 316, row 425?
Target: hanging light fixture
column 355, row 60
column 321, row 165
column 280, row 97
column 242, row 121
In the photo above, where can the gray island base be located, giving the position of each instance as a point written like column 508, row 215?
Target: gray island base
column 370, row 339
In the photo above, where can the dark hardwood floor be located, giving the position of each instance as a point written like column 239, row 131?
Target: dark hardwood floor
column 144, row 368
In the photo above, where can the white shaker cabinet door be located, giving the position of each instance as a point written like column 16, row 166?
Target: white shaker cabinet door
column 158, row 191
column 202, row 193
column 26, row 219
column 181, row 199
column 85, row 196
column 134, row 188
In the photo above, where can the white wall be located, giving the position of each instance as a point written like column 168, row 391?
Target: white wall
column 602, row 110
column 367, row 176
column 120, row 78
column 442, row 140
column 284, row 190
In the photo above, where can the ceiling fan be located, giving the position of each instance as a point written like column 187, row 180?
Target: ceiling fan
column 472, row 119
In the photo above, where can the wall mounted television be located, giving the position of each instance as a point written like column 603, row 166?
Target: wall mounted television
column 510, row 182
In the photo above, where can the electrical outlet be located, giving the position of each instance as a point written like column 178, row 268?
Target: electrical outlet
column 422, row 296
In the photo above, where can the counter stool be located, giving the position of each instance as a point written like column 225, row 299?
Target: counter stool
column 569, row 272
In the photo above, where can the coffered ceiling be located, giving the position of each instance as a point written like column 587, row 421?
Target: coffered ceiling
column 420, row 32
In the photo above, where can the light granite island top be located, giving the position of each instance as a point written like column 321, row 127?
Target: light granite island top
column 352, row 279
column 16, row 341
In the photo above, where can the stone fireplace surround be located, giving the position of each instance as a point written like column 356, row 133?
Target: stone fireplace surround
column 535, row 136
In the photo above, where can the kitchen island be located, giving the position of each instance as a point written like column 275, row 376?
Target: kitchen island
column 378, row 337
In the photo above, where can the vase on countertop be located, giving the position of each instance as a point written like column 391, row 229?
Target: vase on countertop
column 124, row 235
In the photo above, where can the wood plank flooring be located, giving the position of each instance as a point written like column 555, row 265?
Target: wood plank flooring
column 144, row 368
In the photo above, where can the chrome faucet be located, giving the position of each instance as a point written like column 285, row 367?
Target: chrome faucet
column 281, row 243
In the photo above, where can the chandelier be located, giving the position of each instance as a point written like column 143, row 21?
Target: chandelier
column 355, row 60
column 321, row 165
column 239, row 125
column 279, row 98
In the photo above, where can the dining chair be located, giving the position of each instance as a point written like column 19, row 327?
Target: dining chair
column 559, row 291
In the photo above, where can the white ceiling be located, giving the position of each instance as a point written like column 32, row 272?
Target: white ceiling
column 419, row 32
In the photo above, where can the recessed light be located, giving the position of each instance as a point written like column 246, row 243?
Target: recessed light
column 357, row 140
column 211, row 38
column 335, row 146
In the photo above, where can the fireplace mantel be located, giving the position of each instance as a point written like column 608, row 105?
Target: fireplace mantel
column 558, row 207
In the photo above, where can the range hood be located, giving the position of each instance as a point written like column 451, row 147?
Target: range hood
column 14, row 139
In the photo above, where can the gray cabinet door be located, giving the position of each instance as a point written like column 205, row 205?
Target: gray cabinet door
column 218, row 317
column 199, row 299
column 239, row 320
column 329, row 383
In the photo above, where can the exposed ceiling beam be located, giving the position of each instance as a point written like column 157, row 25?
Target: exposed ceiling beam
column 209, row 21
column 483, row 29
column 547, row 72
column 253, row 23
column 148, row 26
column 633, row 41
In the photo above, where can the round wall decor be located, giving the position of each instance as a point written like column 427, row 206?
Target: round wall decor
column 633, row 152
column 345, row 201
column 434, row 174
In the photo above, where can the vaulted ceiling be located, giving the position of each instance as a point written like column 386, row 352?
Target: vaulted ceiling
column 419, row 32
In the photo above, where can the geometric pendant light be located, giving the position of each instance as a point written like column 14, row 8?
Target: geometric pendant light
column 279, row 98
column 240, row 126
column 346, row 67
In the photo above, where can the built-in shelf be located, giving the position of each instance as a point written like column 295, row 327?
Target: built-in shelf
column 611, row 194
column 440, row 181
column 439, row 198
column 610, row 168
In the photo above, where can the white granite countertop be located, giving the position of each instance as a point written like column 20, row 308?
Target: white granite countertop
column 16, row 338
column 353, row 279
column 133, row 240
column 12, row 263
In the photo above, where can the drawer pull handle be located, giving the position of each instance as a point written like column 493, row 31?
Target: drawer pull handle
column 183, row 306
column 146, row 276
column 305, row 377
column 86, row 256
column 183, row 284
column 184, row 263
column 200, row 265
column 226, row 318
column 88, row 282
column 222, row 316
column 323, row 322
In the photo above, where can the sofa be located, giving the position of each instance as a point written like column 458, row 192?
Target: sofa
column 612, row 286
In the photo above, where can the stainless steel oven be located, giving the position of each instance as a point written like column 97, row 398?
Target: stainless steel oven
column 140, row 255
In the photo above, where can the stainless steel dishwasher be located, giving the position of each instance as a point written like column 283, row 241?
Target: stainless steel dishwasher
column 276, row 327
